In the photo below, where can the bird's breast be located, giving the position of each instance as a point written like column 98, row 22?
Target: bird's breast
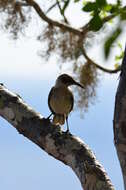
column 61, row 100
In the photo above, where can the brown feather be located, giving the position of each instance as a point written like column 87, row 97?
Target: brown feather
column 58, row 119
column 60, row 100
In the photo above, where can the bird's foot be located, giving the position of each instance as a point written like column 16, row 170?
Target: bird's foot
column 48, row 118
column 67, row 131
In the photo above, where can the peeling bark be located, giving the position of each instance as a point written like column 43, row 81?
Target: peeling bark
column 62, row 146
column 120, row 120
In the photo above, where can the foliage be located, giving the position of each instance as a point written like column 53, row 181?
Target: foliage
column 71, row 51
column 15, row 17
column 119, row 57
column 66, row 44
column 111, row 39
column 88, row 76
column 96, row 9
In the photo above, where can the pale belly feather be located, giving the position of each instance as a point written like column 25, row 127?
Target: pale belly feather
column 61, row 99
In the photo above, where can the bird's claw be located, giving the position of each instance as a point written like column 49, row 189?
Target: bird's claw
column 67, row 131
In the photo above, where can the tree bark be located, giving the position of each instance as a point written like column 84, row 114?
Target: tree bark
column 119, row 123
column 62, row 146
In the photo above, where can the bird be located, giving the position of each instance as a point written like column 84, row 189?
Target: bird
column 61, row 99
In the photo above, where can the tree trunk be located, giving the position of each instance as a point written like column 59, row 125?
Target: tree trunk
column 63, row 146
column 120, row 120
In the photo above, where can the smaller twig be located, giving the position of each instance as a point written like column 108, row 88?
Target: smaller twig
column 65, row 19
column 109, row 17
column 111, row 71
column 43, row 16
column 50, row 8
column 65, row 26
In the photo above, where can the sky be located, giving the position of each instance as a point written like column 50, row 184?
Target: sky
column 23, row 165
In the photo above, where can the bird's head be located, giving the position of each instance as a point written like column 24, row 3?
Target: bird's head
column 67, row 80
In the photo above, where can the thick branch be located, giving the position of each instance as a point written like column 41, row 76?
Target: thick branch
column 120, row 120
column 64, row 147
column 82, row 31
column 99, row 66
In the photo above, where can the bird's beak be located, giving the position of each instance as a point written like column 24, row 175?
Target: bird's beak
column 78, row 84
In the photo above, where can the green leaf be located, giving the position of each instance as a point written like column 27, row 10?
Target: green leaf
column 109, row 42
column 119, row 2
column 114, row 9
column 96, row 23
column 118, row 57
column 75, row 1
column 117, row 65
column 101, row 3
column 120, row 46
column 89, row 6
column 108, row 7
column 123, row 15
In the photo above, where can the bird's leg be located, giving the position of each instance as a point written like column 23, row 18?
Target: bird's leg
column 67, row 131
column 47, row 119
column 49, row 116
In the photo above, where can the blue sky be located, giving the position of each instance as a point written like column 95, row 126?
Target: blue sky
column 23, row 165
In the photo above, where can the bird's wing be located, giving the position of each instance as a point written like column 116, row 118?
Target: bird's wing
column 49, row 96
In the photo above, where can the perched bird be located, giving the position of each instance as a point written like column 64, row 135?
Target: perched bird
column 61, row 100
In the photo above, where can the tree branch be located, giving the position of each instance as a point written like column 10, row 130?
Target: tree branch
column 119, row 123
column 80, row 32
column 65, row 19
column 111, row 71
column 63, row 26
column 62, row 146
column 50, row 8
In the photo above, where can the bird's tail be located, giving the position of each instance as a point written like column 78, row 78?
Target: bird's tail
column 59, row 119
